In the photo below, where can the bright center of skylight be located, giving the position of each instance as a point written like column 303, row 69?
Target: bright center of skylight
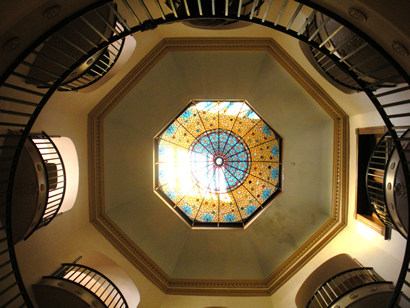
column 219, row 161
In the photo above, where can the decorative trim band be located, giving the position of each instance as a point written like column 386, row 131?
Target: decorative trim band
column 136, row 255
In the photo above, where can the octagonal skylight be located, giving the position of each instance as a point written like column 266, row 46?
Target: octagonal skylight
column 218, row 164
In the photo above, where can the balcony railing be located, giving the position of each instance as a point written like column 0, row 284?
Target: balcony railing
column 55, row 178
column 100, row 64
column 62, row 49
column 349, row 286
column 93, row 281
column 382, row 188
column 362, row 58
column 22, row 96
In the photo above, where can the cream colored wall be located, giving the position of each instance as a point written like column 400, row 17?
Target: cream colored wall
column 362, row 244
column 386, row 22
column 62, row 245
column 351, row 104
column 26, row 20
column 71, row 234
column 294, row 115
column 358, row 240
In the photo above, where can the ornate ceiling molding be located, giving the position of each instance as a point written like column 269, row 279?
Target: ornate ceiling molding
column 137, row 256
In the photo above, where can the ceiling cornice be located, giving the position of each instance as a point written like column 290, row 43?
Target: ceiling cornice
column 136, row 255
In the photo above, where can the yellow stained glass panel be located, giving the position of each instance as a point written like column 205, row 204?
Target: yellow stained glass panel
column 218, row 163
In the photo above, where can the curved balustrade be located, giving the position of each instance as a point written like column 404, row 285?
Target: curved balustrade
column 212, row 7
column 22, row 96
column 385, row 190
column 350, row 287
column 362, row 58
column 39, row 187
column 74, row 40
column 93, row 281
column 95, row 67
column 56, row 178
column 375, row 178
column 102, row 62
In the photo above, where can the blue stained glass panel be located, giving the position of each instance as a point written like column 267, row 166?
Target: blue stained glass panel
column 218, row 162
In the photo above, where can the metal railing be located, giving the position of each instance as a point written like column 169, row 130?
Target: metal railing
column 379, row 185
column 55, row 178
column 338, row 286
column 75, row 40
column 105, row 61
column 376, row 167
column 22, row 96
column 93, row 281
column 362, row 58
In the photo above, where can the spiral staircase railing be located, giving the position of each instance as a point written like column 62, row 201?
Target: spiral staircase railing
column 22, row 97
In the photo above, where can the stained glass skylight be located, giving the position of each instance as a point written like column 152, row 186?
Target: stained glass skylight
column 218, row 164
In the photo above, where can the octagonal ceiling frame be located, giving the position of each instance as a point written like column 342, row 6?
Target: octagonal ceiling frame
column 244, row 222
column 238, row 287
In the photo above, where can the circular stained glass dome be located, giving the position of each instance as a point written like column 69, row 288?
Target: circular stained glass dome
column 218, row 164
column 219, row 160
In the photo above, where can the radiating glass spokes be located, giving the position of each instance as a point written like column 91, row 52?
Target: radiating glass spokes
column 218, row 163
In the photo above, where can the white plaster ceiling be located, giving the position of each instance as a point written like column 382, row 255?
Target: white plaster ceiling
column 307, row 133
